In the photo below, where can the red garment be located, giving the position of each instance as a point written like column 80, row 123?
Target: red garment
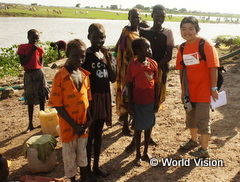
column 30, row 178
column 198, row 75
column 144, row 79
column 34, row 62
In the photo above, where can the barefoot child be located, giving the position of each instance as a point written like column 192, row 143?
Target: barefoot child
column 70, row 96
column 162, row 43
column 35, row 89
column 124, row 56
column 143, row 90
column 201, row 77
column 99, row 63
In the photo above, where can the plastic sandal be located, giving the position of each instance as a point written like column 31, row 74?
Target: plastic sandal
column 189, row 145
column 200, row 153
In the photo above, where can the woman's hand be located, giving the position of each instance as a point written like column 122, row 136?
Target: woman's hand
column 215, row 95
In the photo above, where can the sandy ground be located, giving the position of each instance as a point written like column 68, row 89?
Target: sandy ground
column 169, row 131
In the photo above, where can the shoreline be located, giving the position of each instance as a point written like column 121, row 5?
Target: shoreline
column 19, row 10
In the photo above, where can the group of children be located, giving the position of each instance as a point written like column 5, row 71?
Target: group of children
column 81, row 88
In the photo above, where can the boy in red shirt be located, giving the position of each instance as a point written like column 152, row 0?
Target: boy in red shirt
column 143, row 92
column 35, row 87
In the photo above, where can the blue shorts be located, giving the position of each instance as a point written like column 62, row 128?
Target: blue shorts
column 144, row 117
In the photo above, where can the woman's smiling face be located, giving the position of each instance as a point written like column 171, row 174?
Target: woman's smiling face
column 189, row 32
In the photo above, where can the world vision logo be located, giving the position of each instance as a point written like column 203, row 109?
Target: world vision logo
column 149, row 76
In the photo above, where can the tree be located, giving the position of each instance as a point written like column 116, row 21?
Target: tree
column 183, row 10
column 175, row 10
column 113, row 7
column 78, row 5
column 147, row 8
column 139, row 6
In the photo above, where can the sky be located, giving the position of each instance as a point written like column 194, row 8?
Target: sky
column 222, row 6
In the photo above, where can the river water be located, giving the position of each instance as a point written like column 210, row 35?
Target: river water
column 13, row 30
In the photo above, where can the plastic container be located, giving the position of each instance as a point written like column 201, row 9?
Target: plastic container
column 49, row 121
column 58, row 130
column 40, row 153
column 36, row 166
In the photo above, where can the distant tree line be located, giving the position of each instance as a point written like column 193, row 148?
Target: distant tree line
column 142, row 7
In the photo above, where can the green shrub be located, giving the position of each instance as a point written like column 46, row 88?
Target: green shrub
column 228, row 40
column 9, row 60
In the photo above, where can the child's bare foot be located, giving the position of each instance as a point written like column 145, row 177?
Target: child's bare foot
column 138, row 161
column 127, row 132
column 147, row 157
column 152, row 142
column 100, row 172
column 130, row 147
column 30, row 128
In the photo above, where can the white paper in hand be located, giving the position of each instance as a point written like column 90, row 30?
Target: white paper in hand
column 222, row 100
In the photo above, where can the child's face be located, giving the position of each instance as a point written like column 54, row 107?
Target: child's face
column 76, row 57
column 134, row 18
column 33, row 38
column 97, row 38
column 188, row 32
column 159, row 17
column 146, row 50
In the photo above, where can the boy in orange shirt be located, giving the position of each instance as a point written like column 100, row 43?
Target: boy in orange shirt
column 70, row 96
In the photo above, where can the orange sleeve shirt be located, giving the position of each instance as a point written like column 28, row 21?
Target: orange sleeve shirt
column 64, row 93
column 198, row 75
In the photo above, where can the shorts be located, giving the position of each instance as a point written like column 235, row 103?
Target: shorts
column 198, row 117
column 144, row 118
column 35, row 87
column 74, row 155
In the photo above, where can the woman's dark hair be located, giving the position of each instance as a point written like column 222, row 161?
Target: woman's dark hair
column 138, row 43
column 73, row 44
column 192, row 20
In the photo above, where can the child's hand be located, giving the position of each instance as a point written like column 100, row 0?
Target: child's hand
column 131, row 109
column 156, row 107
column 35, row 46
column 79, row 130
